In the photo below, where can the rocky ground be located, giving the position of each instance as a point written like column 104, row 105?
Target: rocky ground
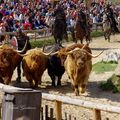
column 93, row 93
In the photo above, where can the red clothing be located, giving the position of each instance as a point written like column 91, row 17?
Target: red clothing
column 27, row 26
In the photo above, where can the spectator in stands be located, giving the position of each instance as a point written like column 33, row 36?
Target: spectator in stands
column 24, row 12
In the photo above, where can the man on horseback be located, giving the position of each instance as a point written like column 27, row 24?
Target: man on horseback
column 106, row 26
column 82, row 26
column 113, row 21
column 83, row 20
column 60, row 15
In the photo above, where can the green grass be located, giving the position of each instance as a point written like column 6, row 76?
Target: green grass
column 116, row 2
column 41, row 42
column 50, row 40
column 113, row 84
column 97, row 33
column 102, row 67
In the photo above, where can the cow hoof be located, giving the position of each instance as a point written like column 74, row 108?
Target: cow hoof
column 59, row 84
column 18, row 80
column 53, row 84
column 77, row 92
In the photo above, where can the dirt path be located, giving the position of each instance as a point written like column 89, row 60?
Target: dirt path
column 93, row 92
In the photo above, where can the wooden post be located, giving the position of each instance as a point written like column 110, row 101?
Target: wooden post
column 41, row 114
column 51, row 114
column 46, row 112
column 58, row 110
column 20, row 104
column 97, row 114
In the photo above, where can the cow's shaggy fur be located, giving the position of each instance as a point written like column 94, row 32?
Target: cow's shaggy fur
column 78, row 65
column 9, row 59
column 34, row 64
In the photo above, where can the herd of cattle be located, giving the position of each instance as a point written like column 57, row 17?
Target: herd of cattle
column 75, row 59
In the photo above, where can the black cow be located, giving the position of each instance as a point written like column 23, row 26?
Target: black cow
column 55, row 69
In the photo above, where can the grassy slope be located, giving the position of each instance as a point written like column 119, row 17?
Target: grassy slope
column 50, row 40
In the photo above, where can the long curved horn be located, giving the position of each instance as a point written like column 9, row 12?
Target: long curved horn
column 94, row 56
column 47, row 54
column 83, row 46
column 77, row 48
column 50, row 53
column 55, row 53
column 24, row 48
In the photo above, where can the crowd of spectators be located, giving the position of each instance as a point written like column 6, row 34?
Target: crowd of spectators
column 37, row 14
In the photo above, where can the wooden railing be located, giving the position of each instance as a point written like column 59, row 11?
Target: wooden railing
column 96, row 107
column 56, row 113
column 34, row 33
column 44, row 32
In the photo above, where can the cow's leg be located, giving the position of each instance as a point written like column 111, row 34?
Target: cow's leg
column 36, row 84
column 31, row 83
column 30, row 79
column 82, row 88
column 53, row 80
column 1, row 80
column 18, row 79
column 37, row 81
column 59, row 81
column 7, row 79
column 76, row 90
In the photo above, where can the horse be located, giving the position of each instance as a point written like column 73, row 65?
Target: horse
column 60, row 26
column 59, row 31
column 82, row 30
column 107, row 30
column 80, row 34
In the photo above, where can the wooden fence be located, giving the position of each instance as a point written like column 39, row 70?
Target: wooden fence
column 47, row 113
column 59, row 100
column 56, row 112
column 31, row 33
column 42, row 33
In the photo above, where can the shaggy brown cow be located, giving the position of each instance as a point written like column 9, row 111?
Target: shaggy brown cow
column 9, row 59
column 78, row 65
column 78, row 68
column 34, row 64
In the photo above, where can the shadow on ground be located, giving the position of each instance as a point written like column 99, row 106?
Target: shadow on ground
column 93, row 90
